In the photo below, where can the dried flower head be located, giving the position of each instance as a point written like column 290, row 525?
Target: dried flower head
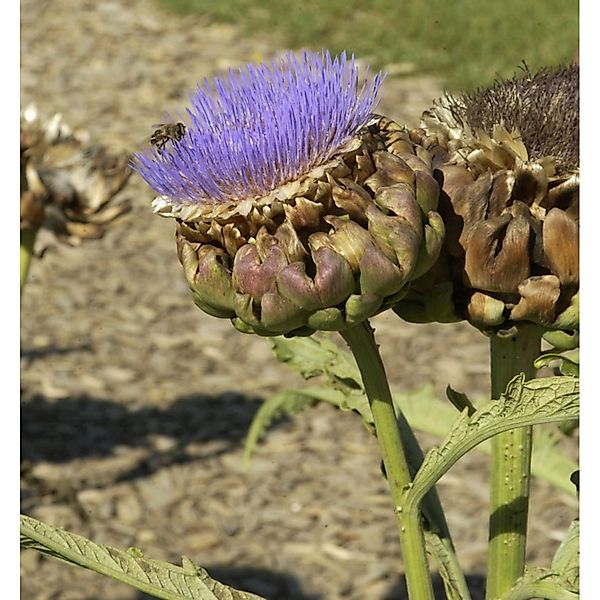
column 68, row 184
column 543, row 107
column 297, row 209
column 507, row 159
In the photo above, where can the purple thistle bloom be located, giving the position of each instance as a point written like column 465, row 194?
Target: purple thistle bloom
column 256, row 128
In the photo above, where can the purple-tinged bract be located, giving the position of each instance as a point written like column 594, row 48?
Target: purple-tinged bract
column 259, row 127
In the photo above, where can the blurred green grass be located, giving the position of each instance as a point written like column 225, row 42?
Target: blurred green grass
column 466, row 43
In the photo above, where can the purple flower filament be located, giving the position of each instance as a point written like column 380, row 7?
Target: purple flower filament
column 256, row 128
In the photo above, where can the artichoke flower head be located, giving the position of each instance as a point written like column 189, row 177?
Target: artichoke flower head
column 297, row 208
column 507, row 160
column 69, row 184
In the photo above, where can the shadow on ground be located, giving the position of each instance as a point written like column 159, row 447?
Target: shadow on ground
column 59, row 431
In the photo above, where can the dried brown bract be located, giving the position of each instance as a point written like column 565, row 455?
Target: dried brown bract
column 507, row 161
column 68, row 185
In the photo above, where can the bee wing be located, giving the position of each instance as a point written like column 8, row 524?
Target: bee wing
column 146, row 140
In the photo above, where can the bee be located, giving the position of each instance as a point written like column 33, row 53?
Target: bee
column 167, row 132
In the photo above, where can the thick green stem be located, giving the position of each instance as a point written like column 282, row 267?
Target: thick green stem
column 27, row 243
column 361, row 341
column 511, row 465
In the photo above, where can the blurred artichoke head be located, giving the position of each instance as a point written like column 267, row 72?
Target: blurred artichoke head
column 507, row 161
column 297, row 208
column 68, row 184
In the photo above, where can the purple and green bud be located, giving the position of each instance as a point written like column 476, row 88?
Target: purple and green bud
column 297, row 208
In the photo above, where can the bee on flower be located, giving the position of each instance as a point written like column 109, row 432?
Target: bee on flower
column 297, row 209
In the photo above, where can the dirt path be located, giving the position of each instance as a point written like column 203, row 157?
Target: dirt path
column 135, row 404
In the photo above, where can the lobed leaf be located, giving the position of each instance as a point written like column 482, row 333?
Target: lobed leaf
column 449, row 570
column 423, row 411
column 426, row 413
column 287, row 402
column 541, row 583
column 312, row 356
column 568, row 361
column 525, row 403
column 159, row 579
column 566, row 559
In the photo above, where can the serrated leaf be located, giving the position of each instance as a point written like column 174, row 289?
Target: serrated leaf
column 312, row 356
column 159, row 579
column 525, row 403
column 423, row 411
column 568, row 361
column 566, row 559
column 449, row 570
column 319, row 356
column 284, row 403
column 541, row 583
column 426, row 413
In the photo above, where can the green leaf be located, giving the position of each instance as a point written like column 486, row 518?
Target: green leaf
column 291, row 402
column 423, row 411
column 560, row 582
column 566, row 559
column 561, row 340
column 459, row 400
column 448, row 567
column 568, row 361
column 159, row 579
column 284, row 403
column 541, row 583
column 426, row 413
column 550, row 463
column 312, row 356
column 524, row 403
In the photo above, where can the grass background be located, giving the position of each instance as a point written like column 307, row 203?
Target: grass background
column 466, row 43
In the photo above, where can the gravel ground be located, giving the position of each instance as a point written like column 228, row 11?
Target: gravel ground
column 135, row 404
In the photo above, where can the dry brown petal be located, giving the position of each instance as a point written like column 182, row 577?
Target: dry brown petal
column 531, row 183
column 497, row 257
column 452, row 179
column 471, row 204
column 539, row 296
column 485, row 310
column 565, row 195
column 304, row 214
column 561, row 245
column 502, row 191
column 32, row 210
